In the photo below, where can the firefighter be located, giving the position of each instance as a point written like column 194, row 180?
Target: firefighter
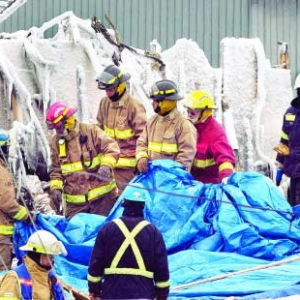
column 123, row 118
column 129, row 258
column 10, row 210
column 168, row 134
column 215, row 159
column 288, row 150
column 35, row 277
column 82, row 161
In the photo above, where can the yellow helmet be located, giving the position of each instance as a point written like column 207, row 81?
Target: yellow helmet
column 199, row 99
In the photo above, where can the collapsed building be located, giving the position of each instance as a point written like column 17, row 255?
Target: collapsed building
column 35, row 71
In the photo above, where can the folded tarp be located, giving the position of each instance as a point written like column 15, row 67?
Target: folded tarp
column 209, row 230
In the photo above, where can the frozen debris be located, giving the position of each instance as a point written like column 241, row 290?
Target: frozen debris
column 41, row 199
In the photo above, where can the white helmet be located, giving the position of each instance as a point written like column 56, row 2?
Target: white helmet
column 44, row 242
column 297, row 82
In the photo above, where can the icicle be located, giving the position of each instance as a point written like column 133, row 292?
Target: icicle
column 83, row 110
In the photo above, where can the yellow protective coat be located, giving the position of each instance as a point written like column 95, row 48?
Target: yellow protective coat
column 172, row 136
column 41, row 287
column 10, row 211
column 124, row 121
column 67, row 171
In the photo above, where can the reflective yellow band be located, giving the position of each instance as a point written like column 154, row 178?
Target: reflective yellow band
column 6, row 229
column 163, row 147
column 290, row 117
column 111, row 81
column 39, row 249
column 102, row 190
column 204, row 163
column 93, row 279
column 225, row 166
column 91, row 195
column 109, row 160
column 170, row 91
column 62, row 148
column 126, row 162
column 128, row 271
column 129, row 240
column 20, row 214
column 61, row 116
column 284, row 136
column 119, row 134
column 162, row 284
column 56, row 184
column 77, row 166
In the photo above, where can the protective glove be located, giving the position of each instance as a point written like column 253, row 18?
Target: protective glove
column 104, row 173
column 142, row 165
column 282, row 149
column 94, row 290
column 32, row 217
column 279, row 176
column 225, row 180
column 56, row 198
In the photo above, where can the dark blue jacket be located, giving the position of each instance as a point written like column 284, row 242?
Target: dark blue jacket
column 118, row 284
column 290, row 136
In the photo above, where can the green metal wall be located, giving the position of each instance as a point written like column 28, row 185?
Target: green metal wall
column 204, row 21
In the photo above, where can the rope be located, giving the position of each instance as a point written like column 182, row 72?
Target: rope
column 223, row 276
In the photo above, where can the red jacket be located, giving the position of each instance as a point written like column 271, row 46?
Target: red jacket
column 215, row 158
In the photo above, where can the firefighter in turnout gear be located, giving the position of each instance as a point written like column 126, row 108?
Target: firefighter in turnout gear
column 288, row 150
column 35, row 278
column 10, row 210
column 168, row 134
column 123, row 118
column 215, row 159
column 129, row 258
column 82, row 161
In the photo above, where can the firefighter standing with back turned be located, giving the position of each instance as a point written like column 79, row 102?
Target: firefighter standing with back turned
column 123, row 118
column 82, row 161
column 169, row 134
column 129, row 258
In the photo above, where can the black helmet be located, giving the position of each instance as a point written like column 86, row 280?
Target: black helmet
column 165, row 89
column 111, row 77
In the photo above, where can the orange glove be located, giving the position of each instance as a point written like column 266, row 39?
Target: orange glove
column 282, row 149
column 142, row 165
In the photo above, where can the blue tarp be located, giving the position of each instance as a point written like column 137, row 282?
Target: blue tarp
column 209, row 229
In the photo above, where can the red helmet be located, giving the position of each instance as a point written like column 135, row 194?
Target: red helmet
column 57, row 113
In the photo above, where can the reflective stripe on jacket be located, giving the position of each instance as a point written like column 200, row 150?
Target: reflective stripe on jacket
column 124, row 121
column 129, row 241
column 129, row 252
column 10, row 209
column 172, row 137
column 289, row 136
column 87, row 148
